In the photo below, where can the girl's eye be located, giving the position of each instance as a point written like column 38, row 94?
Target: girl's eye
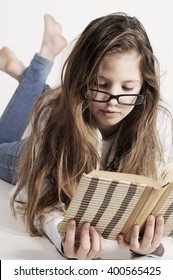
column 127, row 88
column 102, row 85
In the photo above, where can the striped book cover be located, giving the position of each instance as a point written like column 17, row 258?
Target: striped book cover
column 114, row 205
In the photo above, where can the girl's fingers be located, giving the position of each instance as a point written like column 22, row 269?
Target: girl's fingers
column 69, row 240
column 97, row 244
column 134, row 239
column 121, row 242
column 85, row 245
column 148, row 233
column 159, row 228
column 90, row 245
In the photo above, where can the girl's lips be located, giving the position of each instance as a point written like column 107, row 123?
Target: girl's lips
column 109, row 113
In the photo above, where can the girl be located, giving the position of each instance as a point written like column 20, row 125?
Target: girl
column 106, row 114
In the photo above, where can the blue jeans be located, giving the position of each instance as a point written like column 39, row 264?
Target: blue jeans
column 15, row 118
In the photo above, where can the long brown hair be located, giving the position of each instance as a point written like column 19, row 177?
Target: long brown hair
column 63, row 142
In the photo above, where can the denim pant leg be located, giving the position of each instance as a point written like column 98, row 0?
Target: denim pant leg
column 16, row 115
column 15, row 118
column 9, row 159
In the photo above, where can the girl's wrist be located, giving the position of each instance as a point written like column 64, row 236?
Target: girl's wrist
column 158, row 252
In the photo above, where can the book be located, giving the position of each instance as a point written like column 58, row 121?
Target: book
column 113, row 202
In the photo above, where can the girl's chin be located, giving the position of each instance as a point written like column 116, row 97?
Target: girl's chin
column 109, row 122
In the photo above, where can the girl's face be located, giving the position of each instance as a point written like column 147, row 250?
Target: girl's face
column 117, row 74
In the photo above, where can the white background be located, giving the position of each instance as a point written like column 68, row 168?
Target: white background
column 21, row 29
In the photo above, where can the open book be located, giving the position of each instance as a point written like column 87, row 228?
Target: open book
column 113, row 202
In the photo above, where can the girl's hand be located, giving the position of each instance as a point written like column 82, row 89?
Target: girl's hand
column 150, row 240
column 90, row 245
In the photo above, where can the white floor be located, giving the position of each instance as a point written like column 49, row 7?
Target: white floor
column 16, row 244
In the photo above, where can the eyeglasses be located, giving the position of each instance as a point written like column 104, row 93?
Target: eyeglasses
column 96, row 95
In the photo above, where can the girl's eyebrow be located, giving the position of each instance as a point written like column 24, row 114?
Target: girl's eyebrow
column 101, row 77
column 132, row 81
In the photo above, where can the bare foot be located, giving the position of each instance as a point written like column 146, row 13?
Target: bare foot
column 53, row 42
column 10, row 64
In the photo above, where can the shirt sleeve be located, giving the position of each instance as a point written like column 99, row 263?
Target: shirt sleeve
column 165, row 133
column 22, row 195
column 50, row 228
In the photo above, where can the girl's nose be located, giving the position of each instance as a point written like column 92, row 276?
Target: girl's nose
column 114, row 92
column 113, row 101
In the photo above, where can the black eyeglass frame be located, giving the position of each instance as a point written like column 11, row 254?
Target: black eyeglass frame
column 111, row 96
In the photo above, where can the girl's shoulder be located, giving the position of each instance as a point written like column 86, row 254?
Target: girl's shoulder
column 165, row 132
column 165, row 124
column 164, row 115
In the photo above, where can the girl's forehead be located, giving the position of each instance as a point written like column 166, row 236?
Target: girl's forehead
column 131, row 55
column 121, row 63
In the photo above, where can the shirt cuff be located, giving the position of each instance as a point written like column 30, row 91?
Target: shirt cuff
column 50, row 227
